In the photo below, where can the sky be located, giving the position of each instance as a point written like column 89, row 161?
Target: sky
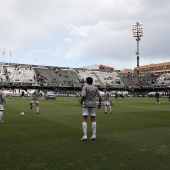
column 78, row 33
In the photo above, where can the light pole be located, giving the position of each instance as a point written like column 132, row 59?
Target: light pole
column 137, row 32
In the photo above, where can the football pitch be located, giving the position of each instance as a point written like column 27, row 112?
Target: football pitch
column 136, row 136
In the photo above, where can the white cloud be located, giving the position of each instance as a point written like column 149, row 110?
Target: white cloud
column 41, row 51
column 84, row 32
column 68, row 40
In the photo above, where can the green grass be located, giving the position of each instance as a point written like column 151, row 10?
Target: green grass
column 135, row 137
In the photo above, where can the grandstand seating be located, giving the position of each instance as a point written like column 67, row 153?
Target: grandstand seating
column 164, row 79
column 2, row 75
column 109, row 78
column 46, row 76
column 20, row 74
column 69, row 77
column 101, row 78
column 142, row 80
column 86, row 73
column 65, row 77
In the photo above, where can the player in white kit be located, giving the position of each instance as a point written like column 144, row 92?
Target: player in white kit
column 107, row 101
column 2, row 101
column 35, row 99
column 88, row 101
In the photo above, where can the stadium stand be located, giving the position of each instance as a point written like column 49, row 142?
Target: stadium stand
column 86, row 73
column 69, row 77
column 46, row 76
column 2, row 75
column 164, row 79
column 20, row 74
column 69, row 81
column 109, row 78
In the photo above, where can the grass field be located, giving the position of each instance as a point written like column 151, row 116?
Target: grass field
column 136, row 136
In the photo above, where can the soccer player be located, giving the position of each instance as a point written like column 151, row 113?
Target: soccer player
column 35, row 99
column 123, row 94
column 107, row 101
column 157, row 95
column 2, row 101
column 88, row 100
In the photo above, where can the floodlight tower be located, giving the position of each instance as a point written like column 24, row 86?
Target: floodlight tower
column 137, row 33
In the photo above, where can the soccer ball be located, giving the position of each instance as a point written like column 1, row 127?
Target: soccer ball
column 22, row 113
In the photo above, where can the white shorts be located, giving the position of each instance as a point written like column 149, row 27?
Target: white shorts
column 1, row 107
column 106, row 103
column 34, row 101
column 89, row 111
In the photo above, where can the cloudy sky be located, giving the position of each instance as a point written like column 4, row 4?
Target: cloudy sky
column 77, row 33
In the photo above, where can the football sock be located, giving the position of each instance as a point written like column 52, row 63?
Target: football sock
column 110, row 108
column 105, row 108
column 84, row 126
column 37, row 109
column 94, row 128
column 1, row 113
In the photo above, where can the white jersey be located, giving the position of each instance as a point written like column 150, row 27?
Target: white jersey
column 106, row 96
column 2, row 97
column 90, row 92
column 36, row 95
column 2, row 100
